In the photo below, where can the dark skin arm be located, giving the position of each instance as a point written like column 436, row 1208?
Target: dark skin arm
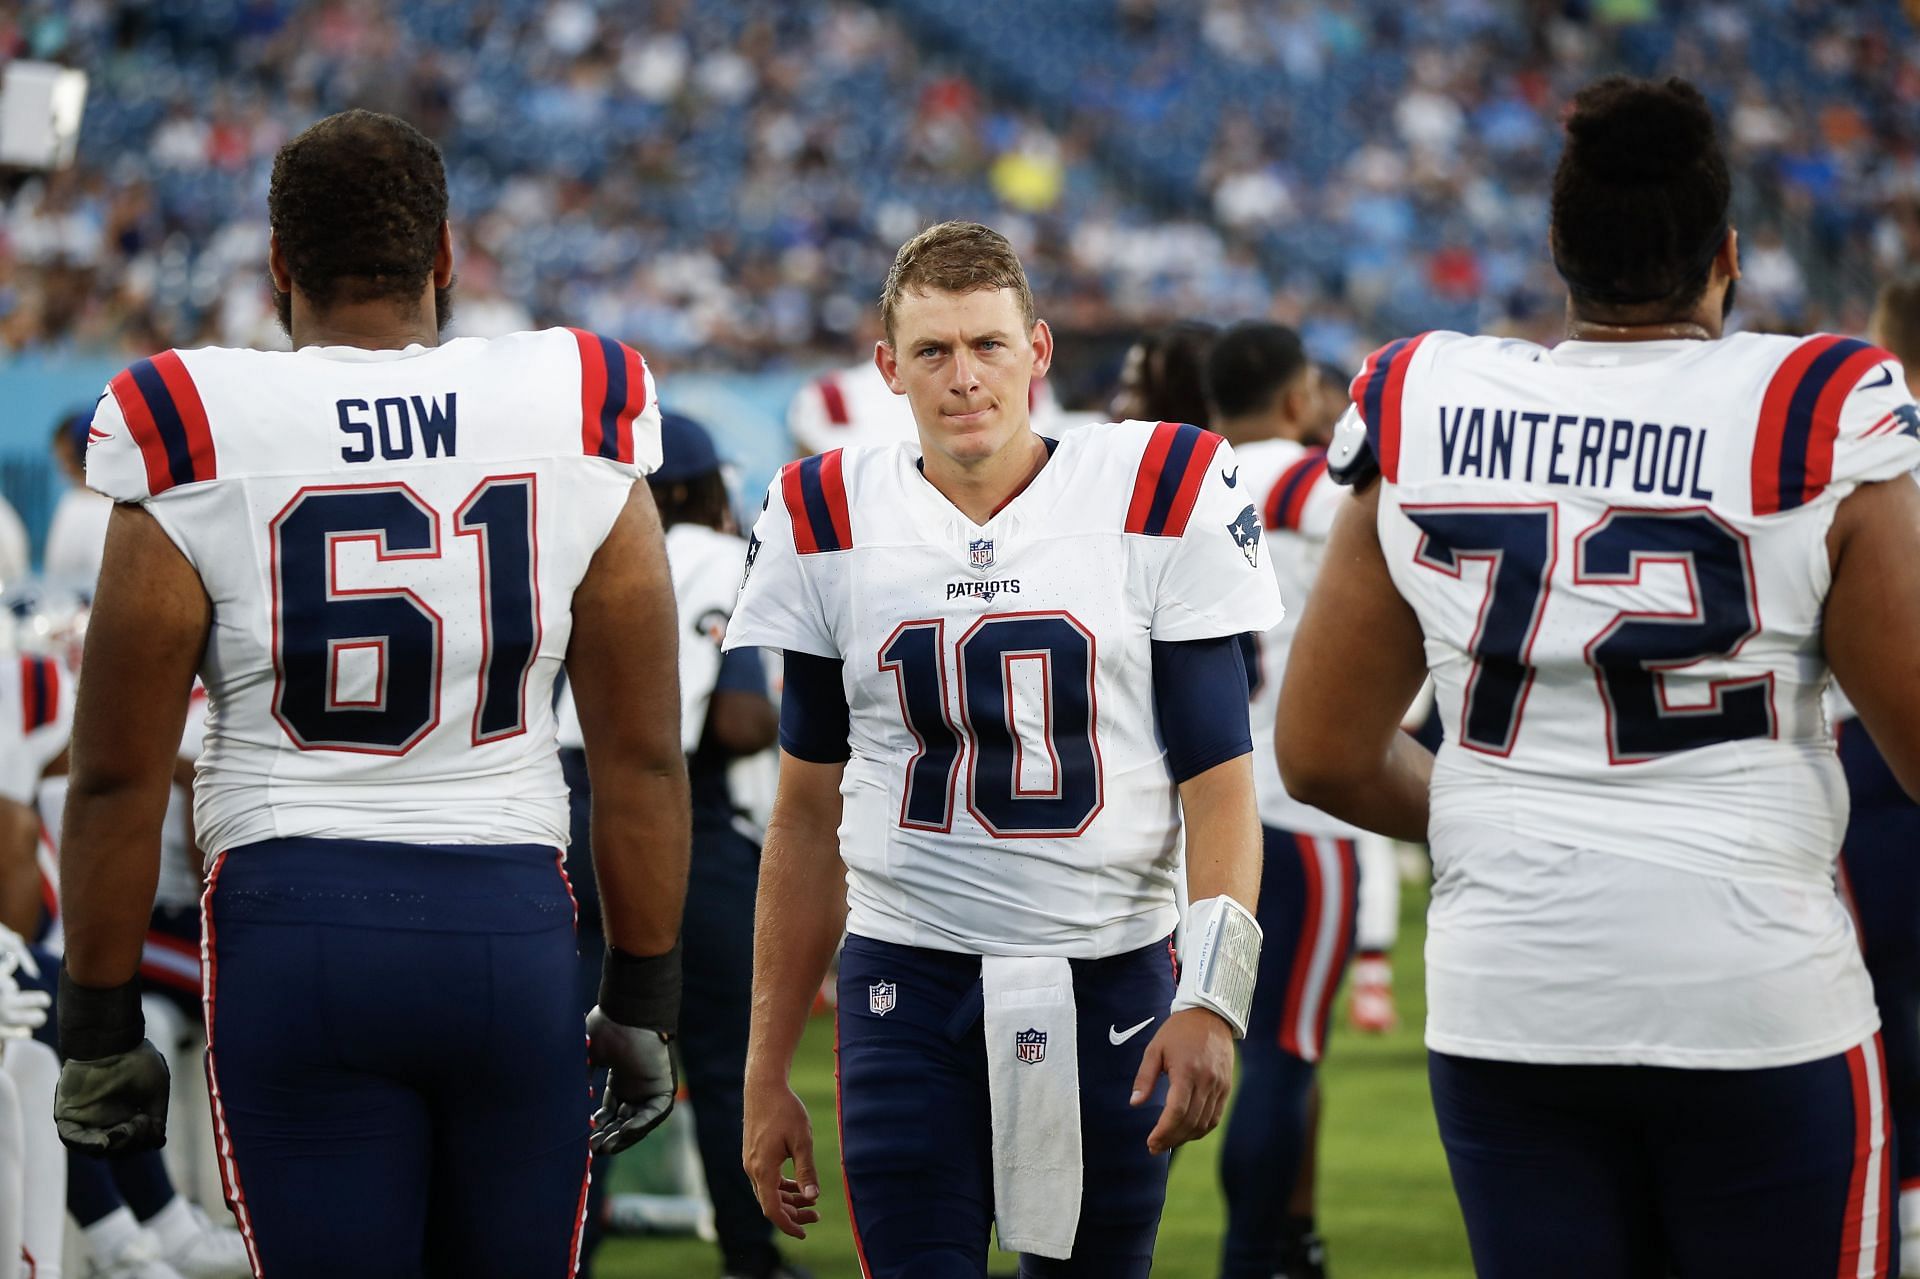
column 1873, row 617
column 1356, row 665
column 19, row 867
column 145, row 639
column 622, row 663
column 742, row 723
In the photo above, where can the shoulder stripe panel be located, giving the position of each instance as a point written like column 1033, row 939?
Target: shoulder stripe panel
column 1289, row 497
column 167, row 420
column 815, row 491
column 1377, row 392
column 613, row 392
column 834, row 400
column 39, row 692
column 1168, row 483
column 1800, row 420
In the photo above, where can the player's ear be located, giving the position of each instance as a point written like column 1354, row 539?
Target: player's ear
column 443, row 257
column 277, row 264
column 885, row 360
column 1042, row 339
column 1728, row 259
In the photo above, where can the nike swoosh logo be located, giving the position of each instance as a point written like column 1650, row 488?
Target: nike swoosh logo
column 1886, row 379
column 1116, row 1036
column 1231, row 479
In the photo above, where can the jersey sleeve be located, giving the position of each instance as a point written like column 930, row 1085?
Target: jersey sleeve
column 780, row 605
column 1304, row 499
column 704, row 617
column 115, row 467
column 1379, row 390
column 1215, row 581
column 194, row 739
column 1837, row 413
column 619, row 403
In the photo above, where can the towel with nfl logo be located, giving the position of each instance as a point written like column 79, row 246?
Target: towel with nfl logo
column 1033, row 1083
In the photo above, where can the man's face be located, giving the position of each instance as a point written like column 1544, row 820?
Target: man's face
column 1330, row 404
column 965, row 362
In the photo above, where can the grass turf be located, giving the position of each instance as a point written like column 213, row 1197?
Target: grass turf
column 1385, row 1205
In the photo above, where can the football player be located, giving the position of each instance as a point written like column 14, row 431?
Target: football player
column 1882, row 877
column 378, row 550
column 1264, row 396
column 1012, row 679
column 1631, row 563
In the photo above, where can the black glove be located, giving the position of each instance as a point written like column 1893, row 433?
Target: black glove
column 628, row 1033
column 112, row 1098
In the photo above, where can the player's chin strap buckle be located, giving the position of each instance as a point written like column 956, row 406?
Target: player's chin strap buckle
column 1221, row 962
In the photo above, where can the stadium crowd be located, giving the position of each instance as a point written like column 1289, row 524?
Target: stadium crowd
column 720, row 183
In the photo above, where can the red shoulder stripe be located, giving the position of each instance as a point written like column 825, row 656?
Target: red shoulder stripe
column 1146, row 481
column 1188, row 495
column 1800, row 420
column 1288, row 501
column 193, row 413
column 1167, row 485
column 834, row 399
column 815, row 492
column 145, row 433
column 593, row 391
column 636, row 403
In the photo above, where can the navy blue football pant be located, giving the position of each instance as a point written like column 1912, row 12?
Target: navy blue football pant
column 717, row 948
column 916, row 1125
column 403, row 1093
column 1641, row 1172
column 1881, row 860
column 1308, row 894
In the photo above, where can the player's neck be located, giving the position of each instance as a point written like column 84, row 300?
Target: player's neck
column 981, row 489
column 1704, row 324
column 377, row 325
column 1252, row 427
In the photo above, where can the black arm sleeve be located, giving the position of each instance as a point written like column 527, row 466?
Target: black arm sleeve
column 814, row 724
column 1200, row 696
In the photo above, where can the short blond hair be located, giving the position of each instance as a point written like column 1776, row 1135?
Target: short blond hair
column 955, row 257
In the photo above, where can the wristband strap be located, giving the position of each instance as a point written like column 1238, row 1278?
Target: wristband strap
column 96, row 1023
column 642, row 991
column 1221, row 959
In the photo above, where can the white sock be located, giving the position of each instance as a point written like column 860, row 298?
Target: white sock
column 35, row 1072
column 112, row 1234
column 174, row 1224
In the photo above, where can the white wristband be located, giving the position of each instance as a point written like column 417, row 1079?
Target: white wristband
column 1220, row 962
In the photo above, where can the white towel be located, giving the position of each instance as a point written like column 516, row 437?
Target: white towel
column 1033, row 1081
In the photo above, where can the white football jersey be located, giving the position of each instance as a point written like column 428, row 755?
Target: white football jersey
column 1298, row 501
column 1008, row 792
column 1618, row 557
column 391, row 541
column 854, row 407
column 705, row 565
column 36, row 722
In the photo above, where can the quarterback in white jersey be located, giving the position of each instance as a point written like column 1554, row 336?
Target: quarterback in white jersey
column 1013, row 675
column 377, row 551
column 1630, row 563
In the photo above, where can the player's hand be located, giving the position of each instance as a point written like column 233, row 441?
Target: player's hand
column 113, row 1105
column 1194, row 1050
column 21, row 1011
column 776, row 1129
column 640, row 1082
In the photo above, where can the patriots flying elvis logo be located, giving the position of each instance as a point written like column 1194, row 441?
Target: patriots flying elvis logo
column 1246, row 535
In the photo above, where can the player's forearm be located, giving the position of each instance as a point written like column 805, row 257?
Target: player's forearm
column 799, row 915
column 20, row 880
column 1223, row 833
column 109, row 867
column 1385, row 793
column 641, row 840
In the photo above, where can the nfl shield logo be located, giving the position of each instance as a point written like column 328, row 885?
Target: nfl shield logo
column 1030, row 1047
column 980, row 550
column 880, row 998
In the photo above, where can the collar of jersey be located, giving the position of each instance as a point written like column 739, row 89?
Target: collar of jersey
column 1575, row 354
column 946, row 517
column 361, row 355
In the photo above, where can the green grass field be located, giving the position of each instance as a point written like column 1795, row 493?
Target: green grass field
column 1386, row 1208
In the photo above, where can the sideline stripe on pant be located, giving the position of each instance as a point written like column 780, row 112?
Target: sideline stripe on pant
column 1328, row 865
column 1865, row 1229
column 222, row 1138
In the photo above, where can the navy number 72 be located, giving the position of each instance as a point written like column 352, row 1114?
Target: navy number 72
column 1632, row 653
